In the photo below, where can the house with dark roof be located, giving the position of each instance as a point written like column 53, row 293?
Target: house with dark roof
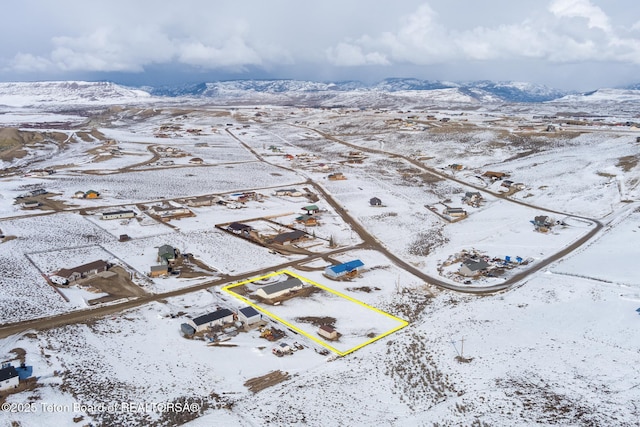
column 239, row 228
column 289, row 237
column 279, row 289
column 345, row 269
column 216, row 318
column 471, row 268
column 374, row 201
column 9, row 377
column 83, row 271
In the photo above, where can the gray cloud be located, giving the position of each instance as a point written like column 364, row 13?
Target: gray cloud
column 319, row 39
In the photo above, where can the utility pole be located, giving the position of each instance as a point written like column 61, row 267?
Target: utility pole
column 462, row 348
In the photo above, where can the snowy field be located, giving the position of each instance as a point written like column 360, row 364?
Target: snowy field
column 558, row 348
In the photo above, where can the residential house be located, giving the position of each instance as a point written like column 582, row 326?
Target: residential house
column 289, row 237
column 118, row 214
column 311, row 209
column 455, row 212
column 249, row 315
column 31, row 204
column 471, row 268
column 307, row 220
column 239, row 228
column 279, row 289
column 166, row 254
column 456, row 167
column 374, row 201
column 350, row 268
column 196, row 161
column 288, row 192
column 171, row 210
column 507, row 183
column 542, row 223
column 472, row 197
column 495, row 175
column 9, row 377
column 328, row 332
column 91, row 194
column 338, row 176
column 201, row 201
column 83, row 271
column 217, row 318
column 79, row 195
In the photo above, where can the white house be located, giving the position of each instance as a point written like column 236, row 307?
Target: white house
column 278, row 289
column 249, row 315
column 8, row 377
column 118, row 214
column 217, row 318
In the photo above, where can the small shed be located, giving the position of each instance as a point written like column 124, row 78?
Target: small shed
column 328, row 332
column 473, row 268
column 374, row 201
column 187, row 329
column 249, row 315
column 9, row 377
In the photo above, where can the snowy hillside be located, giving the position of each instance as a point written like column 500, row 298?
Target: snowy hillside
column 23, row 94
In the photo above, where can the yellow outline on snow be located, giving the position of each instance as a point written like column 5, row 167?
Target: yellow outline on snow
column 227, row 289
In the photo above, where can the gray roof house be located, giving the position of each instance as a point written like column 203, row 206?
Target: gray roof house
column 472, row 268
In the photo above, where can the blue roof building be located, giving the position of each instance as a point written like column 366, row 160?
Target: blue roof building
column 336, row 271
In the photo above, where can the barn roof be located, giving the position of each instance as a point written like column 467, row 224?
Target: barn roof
column 216, row 315
column 347, row 266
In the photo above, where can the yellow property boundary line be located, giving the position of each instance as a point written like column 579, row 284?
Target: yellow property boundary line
column 228, row 288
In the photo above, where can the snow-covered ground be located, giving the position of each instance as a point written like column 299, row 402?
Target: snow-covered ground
column 560, row 347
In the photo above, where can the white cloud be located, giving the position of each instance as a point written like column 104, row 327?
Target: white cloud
column 421, row 38
column 347, row 54
column 26, row 62
column 595, row 16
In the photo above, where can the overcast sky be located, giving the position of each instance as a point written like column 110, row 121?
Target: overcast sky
column 569, row 44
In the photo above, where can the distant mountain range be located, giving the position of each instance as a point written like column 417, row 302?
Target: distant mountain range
column 390, row 92
column 479, row 90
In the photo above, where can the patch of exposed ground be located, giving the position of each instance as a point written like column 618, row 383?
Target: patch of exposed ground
column 260, row 383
